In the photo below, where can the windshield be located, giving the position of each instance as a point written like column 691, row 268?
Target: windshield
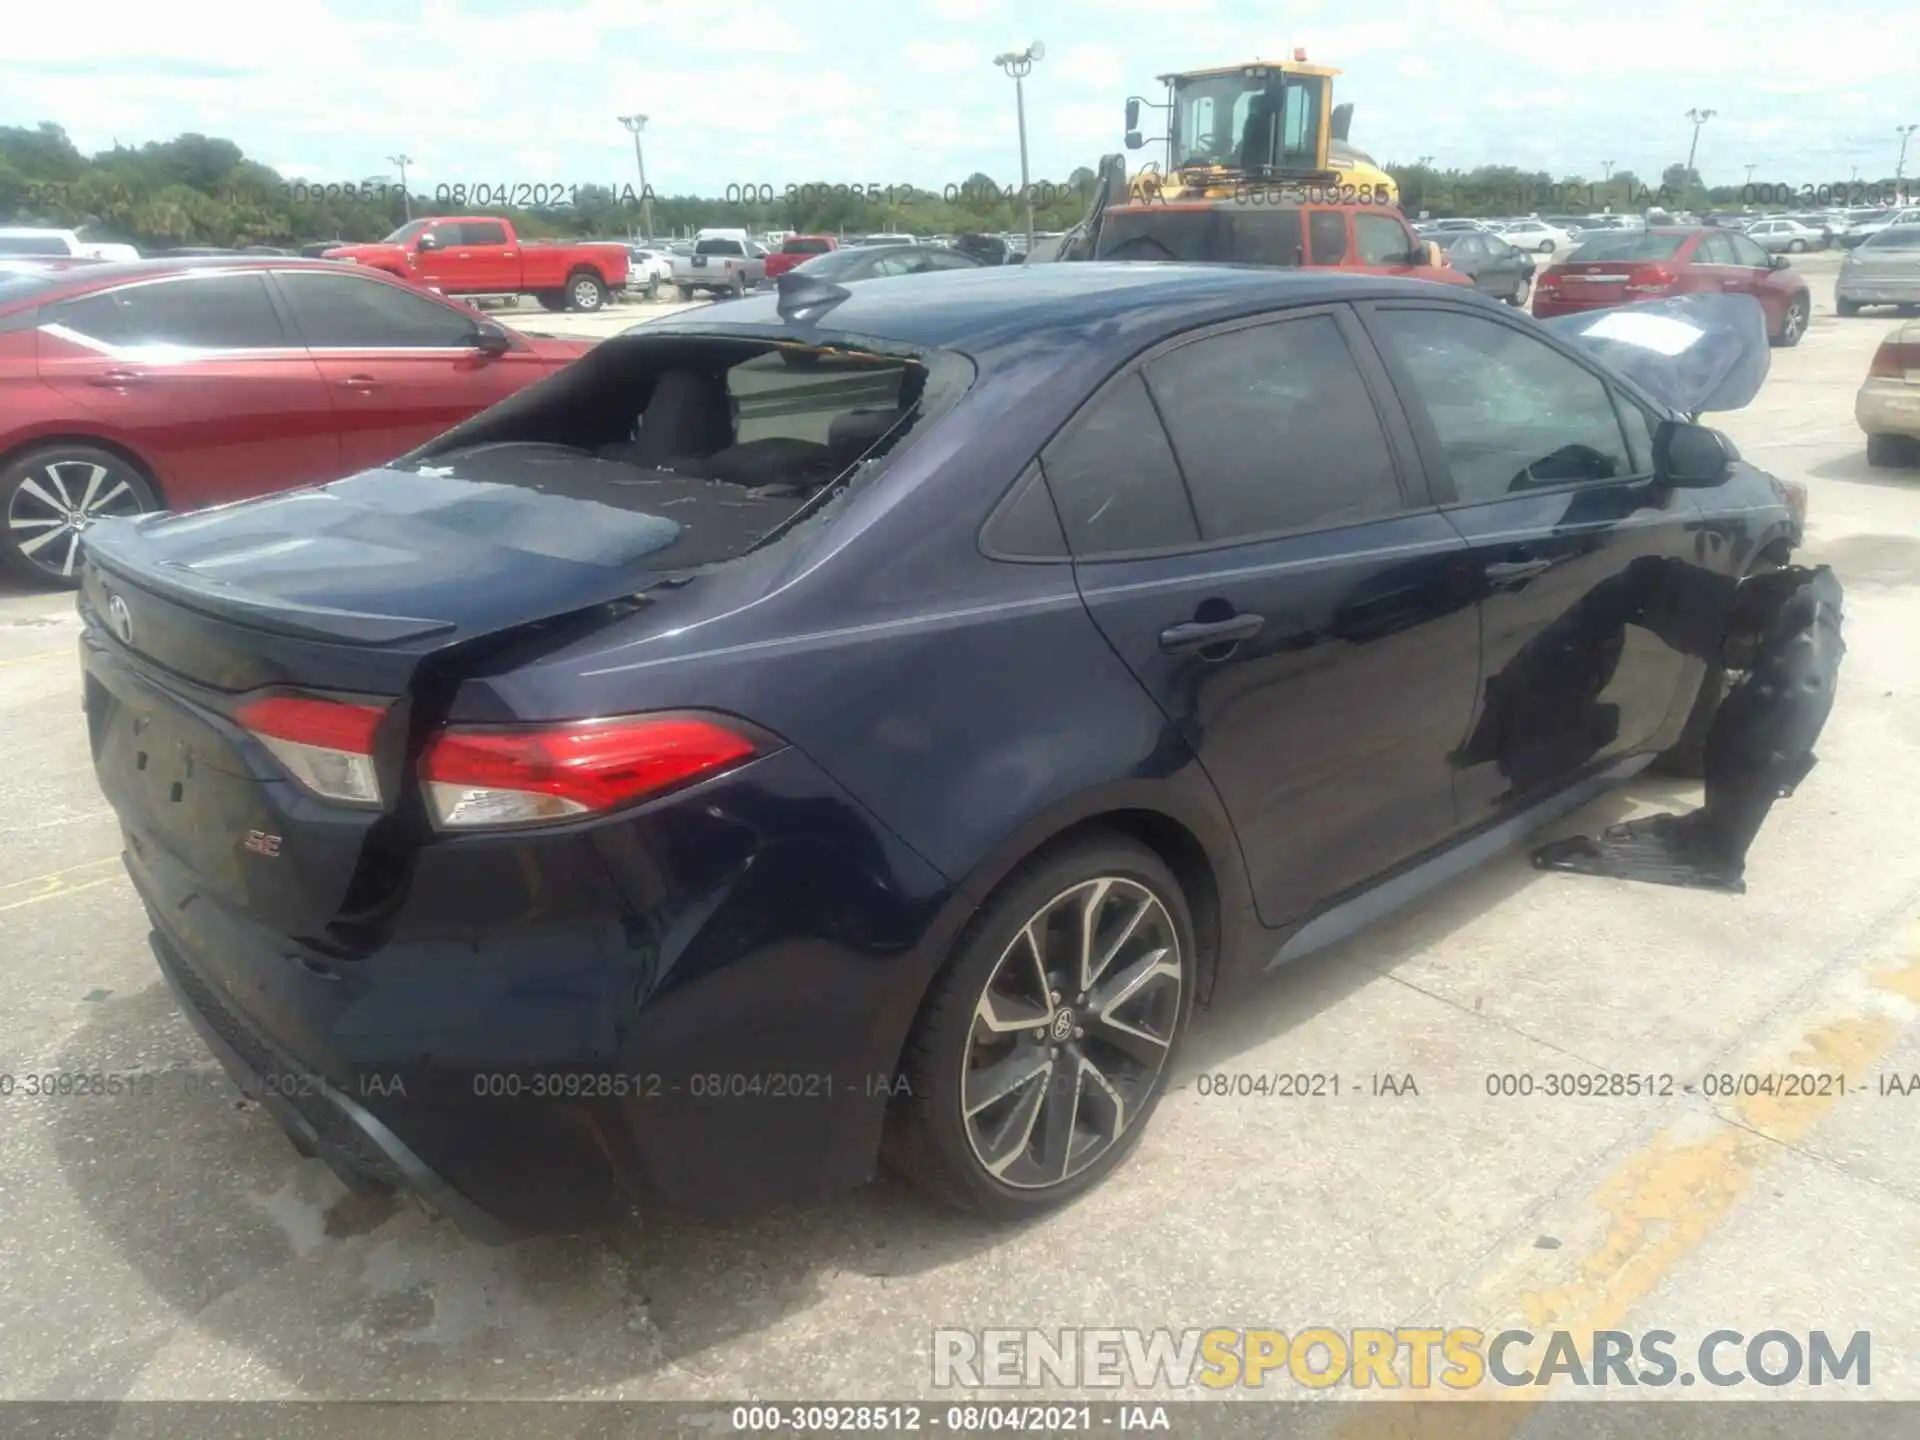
column 1627, row 246
column 32, row 245
column 406, row 232
column 1248, row 122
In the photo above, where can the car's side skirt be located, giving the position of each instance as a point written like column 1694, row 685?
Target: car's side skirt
column 1405, row 886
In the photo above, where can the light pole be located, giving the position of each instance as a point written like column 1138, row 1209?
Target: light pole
column 1905, row 132
column 1019, row 64
column 1607, row 166
column 1750, row 170
column 635, row 124
column 406, row 198
column 1699, row 118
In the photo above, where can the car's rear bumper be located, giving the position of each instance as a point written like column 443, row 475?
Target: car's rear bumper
column 1878, row 290
column 1546, row 306
column 698, row 1006
column 1888, row 407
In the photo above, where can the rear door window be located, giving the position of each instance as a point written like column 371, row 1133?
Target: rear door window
column 1275, row 431
column 1715, row 249
column 204, row 312
column 483, row 232
column 1746, row 253
column 1114, row 479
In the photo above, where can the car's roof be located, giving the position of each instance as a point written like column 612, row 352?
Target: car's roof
column 110, row 271
column 992, row 307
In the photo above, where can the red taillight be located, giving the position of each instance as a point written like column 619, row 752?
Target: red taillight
column 1651, row 279
column 479, row 778
column 327, row 745
column 1893, row 360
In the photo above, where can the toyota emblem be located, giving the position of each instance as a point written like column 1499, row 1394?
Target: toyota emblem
column 120, row 618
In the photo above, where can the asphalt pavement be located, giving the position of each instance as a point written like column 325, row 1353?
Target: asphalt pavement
column 169, row 1244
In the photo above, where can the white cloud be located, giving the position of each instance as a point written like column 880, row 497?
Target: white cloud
column 945, row 57
column 1096, row 65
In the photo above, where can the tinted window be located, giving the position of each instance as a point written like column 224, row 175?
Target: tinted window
column 903, row 262
column 346, row 312
column 1745, row 252
column 222, row 312
column 1510, row 412
column 1274, row 430
column 1113, row 477
column 847, row 264
column 1468, row 247
column 1380, row 239
column 806, row 245
column 1897, row 237
column 719, row 247
column 1497, row 248
column 1327, row 236
column 483, row 232
column 947, row 260
column 1627, row 245
column 21, row 285
column 448, row 234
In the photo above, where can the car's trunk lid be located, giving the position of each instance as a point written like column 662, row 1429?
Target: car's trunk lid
column 366, row 591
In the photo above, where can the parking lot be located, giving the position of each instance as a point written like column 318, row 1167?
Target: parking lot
column 170, row 1244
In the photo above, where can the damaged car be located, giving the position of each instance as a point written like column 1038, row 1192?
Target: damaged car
column 862, row 725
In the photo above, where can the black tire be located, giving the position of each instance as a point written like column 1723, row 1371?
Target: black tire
column 1797, row 246
column 554, row 300
column 1847, row 307
column 41, row 490
column 1793, row 324
column 1893, row 452
column 1546, row 247
column 1519, row 296
column 930, row 1141
column 585, row 292
column 1688, row 757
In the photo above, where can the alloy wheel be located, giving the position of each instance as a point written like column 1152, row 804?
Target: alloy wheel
column 586, row 295
column 54, row 504
column 1793, row 322
column 1071, row 1032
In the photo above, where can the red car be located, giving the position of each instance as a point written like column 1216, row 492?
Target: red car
column 1619, row 267
column 797, row 250
column 172, row 384
column 485, row 255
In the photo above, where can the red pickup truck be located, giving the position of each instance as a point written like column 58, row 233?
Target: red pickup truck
column 479, row 255
column 797, row 250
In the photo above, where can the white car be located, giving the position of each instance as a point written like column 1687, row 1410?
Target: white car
column 646, row 266
column 27, row 240
column 1888, row 405
column 1535, row 235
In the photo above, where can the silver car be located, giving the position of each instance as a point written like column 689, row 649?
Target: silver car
column 1789, row 236
column 1883, row 269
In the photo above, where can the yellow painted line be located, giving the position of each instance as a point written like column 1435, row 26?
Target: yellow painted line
column 1662, row 1202
column 55, row 883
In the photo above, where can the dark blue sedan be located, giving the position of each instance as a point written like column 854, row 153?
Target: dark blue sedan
column 865, row 722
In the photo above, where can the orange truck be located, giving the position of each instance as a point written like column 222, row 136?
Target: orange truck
column 470, row 256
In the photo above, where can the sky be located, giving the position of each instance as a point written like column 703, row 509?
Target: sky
column 777, row 92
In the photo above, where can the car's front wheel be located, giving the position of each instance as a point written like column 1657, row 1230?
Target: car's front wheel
column 51, row 495
column 1043, row 1046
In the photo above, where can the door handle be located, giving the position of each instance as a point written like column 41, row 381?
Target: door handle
column 115, row 379
column 1201, row 634
column 1516, row 571
column 359, row 382
column 463, row 255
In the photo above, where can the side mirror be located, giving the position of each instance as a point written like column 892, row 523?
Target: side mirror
column 1133, row 117
column 490, row 338
column 1691, row 457
column 1135, row 140
column 1780, row 262
column 428, row 241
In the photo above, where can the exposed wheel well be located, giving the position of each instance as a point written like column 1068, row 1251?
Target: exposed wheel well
column 93, row 442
